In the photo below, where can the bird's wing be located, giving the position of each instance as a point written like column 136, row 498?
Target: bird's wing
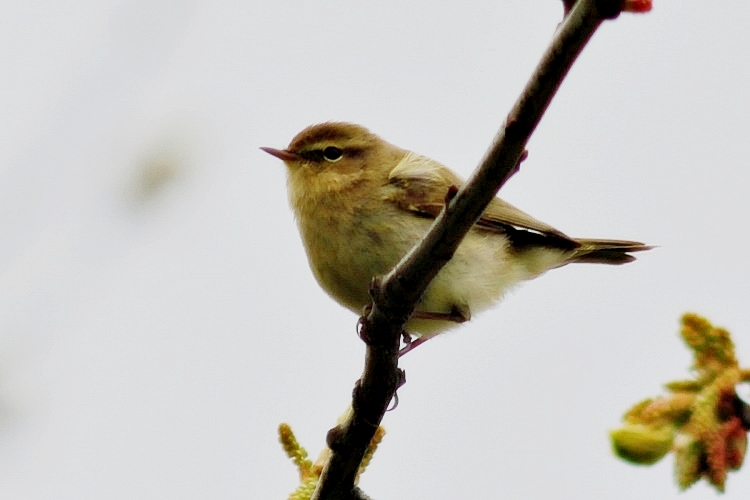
column 421, row 187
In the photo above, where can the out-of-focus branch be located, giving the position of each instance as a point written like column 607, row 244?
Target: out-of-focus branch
column 395, row 295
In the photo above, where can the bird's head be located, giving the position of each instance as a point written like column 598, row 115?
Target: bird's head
column 332, row 156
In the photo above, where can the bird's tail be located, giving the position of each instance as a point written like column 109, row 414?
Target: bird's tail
column 606, row 251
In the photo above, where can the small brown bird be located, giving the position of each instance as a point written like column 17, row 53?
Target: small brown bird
column 362, row 203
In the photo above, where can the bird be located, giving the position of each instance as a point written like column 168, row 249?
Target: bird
column 362, row 203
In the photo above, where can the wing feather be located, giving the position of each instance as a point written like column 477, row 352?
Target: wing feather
column 422, row 184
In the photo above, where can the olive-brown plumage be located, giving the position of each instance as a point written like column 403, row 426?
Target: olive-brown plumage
column 361, row 204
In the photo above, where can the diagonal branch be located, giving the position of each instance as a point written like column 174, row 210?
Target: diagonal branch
column 395, row 295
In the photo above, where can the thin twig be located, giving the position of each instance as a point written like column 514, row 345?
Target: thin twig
column 395, row 295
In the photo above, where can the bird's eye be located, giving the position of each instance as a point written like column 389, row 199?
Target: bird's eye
column 332, row 154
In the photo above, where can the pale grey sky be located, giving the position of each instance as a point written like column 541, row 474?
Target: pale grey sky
column 157, row 316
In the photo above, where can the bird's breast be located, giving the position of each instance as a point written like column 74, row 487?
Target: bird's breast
column 349, row 245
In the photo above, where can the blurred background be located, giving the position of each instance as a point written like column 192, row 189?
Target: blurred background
column 157, row 316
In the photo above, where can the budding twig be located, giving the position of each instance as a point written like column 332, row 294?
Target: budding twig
column 395, row 295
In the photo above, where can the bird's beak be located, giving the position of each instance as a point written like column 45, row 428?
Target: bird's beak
column 282, row 154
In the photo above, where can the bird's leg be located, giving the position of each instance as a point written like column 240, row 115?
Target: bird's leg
column 410, row 344
column 458, row 314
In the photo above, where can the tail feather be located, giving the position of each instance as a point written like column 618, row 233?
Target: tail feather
column 606, row 251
